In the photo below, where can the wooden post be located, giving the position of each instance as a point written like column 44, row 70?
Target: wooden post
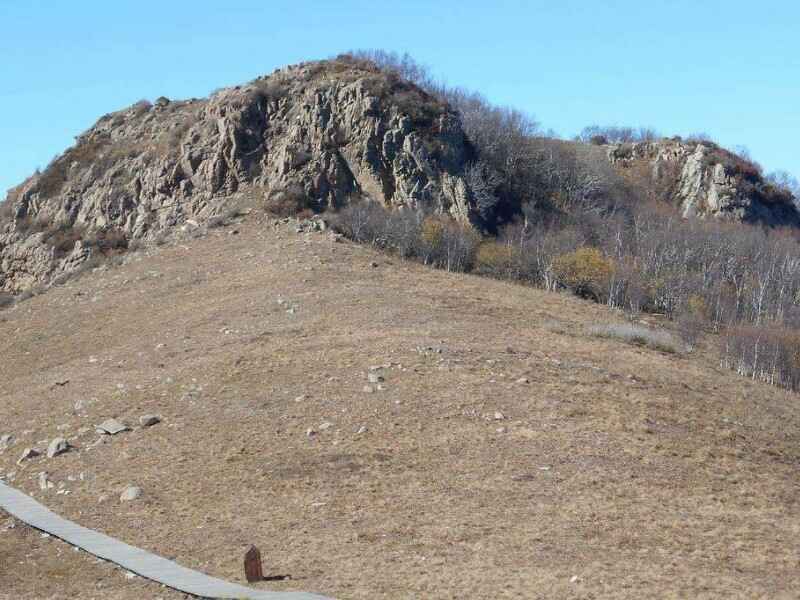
column 252, row 565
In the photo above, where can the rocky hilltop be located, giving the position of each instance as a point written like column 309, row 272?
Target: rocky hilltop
column 706, row 181
column 317, row 136
column 313, row 136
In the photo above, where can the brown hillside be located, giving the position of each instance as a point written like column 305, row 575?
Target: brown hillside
column 614, row 472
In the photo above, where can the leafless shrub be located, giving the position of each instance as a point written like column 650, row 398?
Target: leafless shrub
column 141, row 107
column 595, row 134
column 447, row 245
column 640, row 336
column 769, row 354
column 363, row 221
column 287, row 201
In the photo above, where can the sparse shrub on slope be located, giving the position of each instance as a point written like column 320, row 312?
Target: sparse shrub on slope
column 496, row 259
column 586, row 272
column 287, row 201
column 448, row 245
column 641, row 336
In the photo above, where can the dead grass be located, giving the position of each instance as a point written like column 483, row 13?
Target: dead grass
column 617, row 471
column 657, row 339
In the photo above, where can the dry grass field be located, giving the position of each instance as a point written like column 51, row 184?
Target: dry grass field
column 506, row 453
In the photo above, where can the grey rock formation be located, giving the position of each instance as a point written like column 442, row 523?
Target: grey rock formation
column 111, row 427
column 707, row 181
column 149, row 420
column 328, row 132
column 130, row 493
column 27, row 454
column 56, row 447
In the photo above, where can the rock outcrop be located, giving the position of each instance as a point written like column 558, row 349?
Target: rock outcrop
column 318, row 134
column 707, row 181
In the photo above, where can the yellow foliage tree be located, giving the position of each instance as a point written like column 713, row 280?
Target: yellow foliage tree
column 585, row 271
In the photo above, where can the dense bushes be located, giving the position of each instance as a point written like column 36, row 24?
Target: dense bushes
column 769, row 354
column 585, row 271
column 595, row 134
column 739, row 280
column 433, row 240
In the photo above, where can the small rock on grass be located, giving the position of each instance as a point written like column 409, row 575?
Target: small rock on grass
column 130, row 493
column 373, row 377
column 111, row 427
column 28, row 454
column 44, row 481
column 56, row 447
column 5, row 441
column 149, row 420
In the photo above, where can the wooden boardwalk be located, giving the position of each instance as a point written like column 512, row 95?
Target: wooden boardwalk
column 133, row 559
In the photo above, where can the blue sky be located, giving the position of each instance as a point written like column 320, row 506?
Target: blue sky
column 728, row 68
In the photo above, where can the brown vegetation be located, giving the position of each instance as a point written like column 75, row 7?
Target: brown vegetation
column 611, row 457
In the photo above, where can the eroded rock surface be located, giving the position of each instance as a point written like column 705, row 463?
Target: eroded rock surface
column 329, row 132
column 707, row 181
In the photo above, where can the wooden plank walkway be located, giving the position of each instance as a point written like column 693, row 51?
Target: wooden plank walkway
column 133, row 559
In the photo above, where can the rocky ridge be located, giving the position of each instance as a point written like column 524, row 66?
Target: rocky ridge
column 707, row 181
column 315, row 135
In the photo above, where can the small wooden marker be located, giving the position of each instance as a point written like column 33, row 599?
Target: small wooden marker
column 252, row 565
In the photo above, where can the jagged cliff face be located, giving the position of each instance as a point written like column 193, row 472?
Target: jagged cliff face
column 706, row 181
column 330, row 131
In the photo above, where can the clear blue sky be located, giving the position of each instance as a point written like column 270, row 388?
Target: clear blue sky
column 729, row 68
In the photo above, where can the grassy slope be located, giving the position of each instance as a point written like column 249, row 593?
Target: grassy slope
column 641, row 473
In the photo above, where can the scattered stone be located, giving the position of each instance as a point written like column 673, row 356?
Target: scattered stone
column 573, row 579
column 111, row 427
column 523, row 380
column 373, row 377
column 290, row 311
column 498, row 416
column 102, row 498
column 325, row 426
column 368, row 389
column 56, row 447
column 501, row 430
column 44, row 482
column 373, row 264
column 311, row 432
column 130, row 493
column 6, row 440
column 361, row 430
column 149, row 420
